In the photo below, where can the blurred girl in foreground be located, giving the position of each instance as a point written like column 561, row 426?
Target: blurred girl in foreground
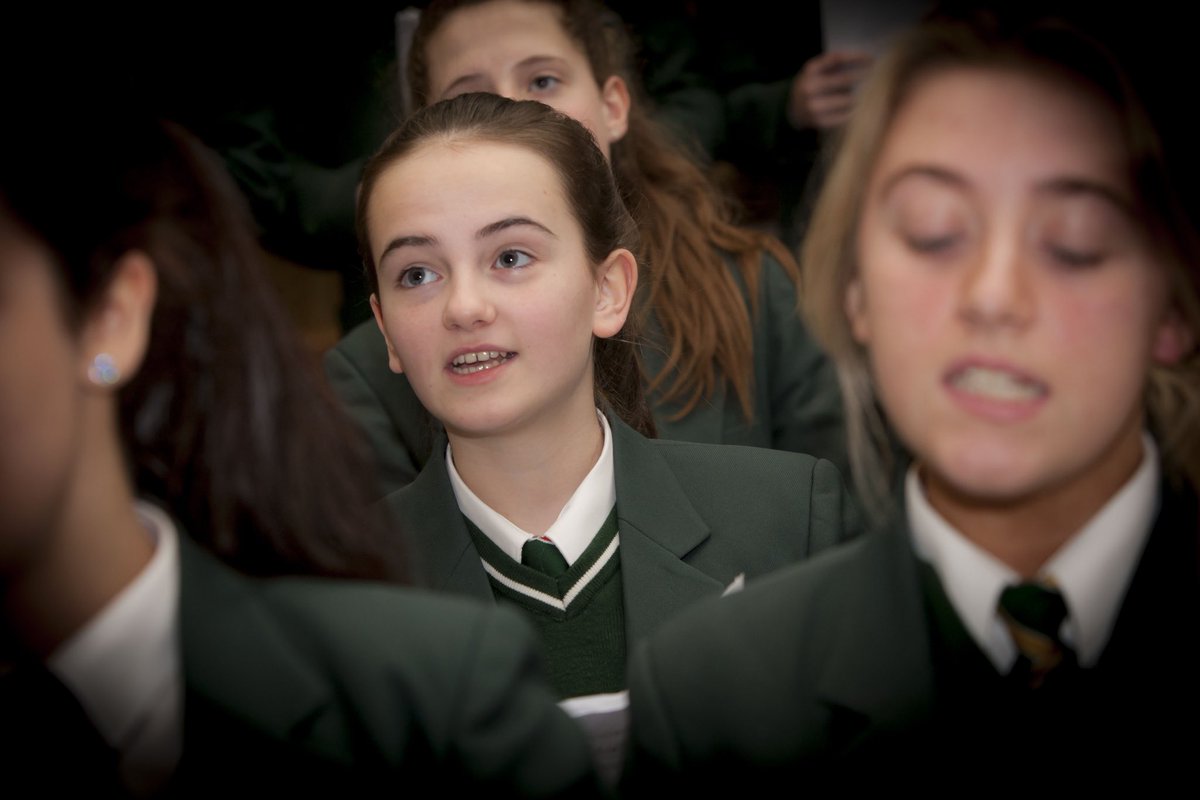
column 1001, row 263
column 154, row 406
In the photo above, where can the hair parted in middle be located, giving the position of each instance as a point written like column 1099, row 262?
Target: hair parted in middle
column 587, row 183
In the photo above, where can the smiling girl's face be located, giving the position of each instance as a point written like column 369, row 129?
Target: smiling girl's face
column 1009, row 299
column 486, row 296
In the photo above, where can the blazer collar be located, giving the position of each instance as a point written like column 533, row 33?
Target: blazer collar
column 656, row 521
column 447, row 558
column 236, row 660
column 658, row 527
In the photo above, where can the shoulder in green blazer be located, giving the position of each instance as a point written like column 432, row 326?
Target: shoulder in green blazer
column 797, row 404
column 691, row 518
column 826, row 671
column 315, row 685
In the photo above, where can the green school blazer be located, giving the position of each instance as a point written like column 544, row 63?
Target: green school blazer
column 313, row 686
column 691, row 518
column 797, row 404
column 835, row 672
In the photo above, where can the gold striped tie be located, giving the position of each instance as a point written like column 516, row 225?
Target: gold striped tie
column 1034, row 614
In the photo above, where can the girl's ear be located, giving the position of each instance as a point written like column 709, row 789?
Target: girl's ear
column 117, row 332
column 393, row 359
column 856, row 311
column 616, row 281
column 615, row 94
column 1173, row 340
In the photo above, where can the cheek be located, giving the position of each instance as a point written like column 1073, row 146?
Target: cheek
column 910, row 316
column 907, row 312
column 39, row 418
column 1105, row 340
column 412, row 334
column 560, row 319
column 587, row 112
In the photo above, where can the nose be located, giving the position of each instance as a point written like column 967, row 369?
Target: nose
column 468, row 305
column 996, row 288
column 506, row 86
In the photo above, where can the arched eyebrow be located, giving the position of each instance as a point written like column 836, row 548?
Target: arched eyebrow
column 512, row 222
column 417, row 240
column 533, row 62
column 1069, row 186
column 939, row 174
column 473, row 81
column 407, row 241
column 1064, row 186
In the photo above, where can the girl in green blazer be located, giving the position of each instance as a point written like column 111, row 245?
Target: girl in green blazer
column 148, row 386
column 1003, row 262
column 503, row 270
column 725, row 355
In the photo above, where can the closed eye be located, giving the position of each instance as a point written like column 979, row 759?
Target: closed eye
column 1070, row 257
column 512, row 259
column 416, row 276
column 931, row 245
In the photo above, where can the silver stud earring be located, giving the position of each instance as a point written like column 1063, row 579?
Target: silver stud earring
column 103, row 371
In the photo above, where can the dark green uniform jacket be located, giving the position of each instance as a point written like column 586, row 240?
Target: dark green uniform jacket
column 303, row 687
column 847, row 670
column 691, row 518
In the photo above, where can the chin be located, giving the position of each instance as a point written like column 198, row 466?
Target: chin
column 479, row 426
column 989, row 475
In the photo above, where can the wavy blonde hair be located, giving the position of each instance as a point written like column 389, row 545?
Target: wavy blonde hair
column 1047, row 46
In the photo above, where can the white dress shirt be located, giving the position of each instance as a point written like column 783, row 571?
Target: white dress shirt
column 1093, row 569
column 578, row 522
column 125, row 667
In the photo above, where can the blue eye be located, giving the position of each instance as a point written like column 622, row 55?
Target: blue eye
column 416, row 276
column 543, row 83
column 513, row 259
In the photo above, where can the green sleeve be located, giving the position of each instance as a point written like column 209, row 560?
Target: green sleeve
column 509, row 731
column 805, row 402
column 382, row 404
column 654, row 759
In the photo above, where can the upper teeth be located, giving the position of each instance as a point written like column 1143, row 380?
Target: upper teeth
column 997, row 383
column 471, row 358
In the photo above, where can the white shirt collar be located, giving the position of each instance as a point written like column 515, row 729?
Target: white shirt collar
column 577, row 523
column 125, row 666
column 1092, row 570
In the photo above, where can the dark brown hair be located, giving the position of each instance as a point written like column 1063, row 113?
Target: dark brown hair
column 587, row 183
column 687, row 229
column 226, row 422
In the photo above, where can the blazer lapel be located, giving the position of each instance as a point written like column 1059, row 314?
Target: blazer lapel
column 658, row 527
column 426, row 511
column 1162, row 605
column 878, row 678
